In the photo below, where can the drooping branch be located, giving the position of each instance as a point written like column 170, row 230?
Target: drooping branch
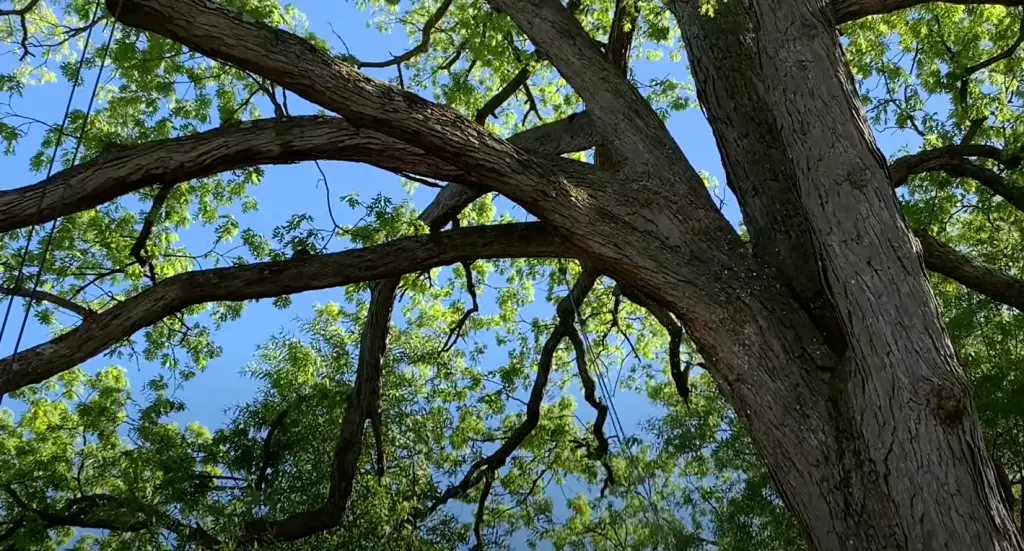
column 478, row 521
column 268, row 449
column 945, row 260
column 139, row 247
column 680, row 377
column 108, row 512
column 363, row 404
column 258, row 142
column 270, row 279
column 69, row 305
column 566, row 312
column 600, row 451
column 846, row 11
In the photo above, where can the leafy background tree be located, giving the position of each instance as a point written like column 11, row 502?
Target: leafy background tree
column 134, row 451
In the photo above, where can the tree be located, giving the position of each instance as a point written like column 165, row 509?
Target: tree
column 817, row 324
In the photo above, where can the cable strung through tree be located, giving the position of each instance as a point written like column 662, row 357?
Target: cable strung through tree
column 617, row 427
column 112, row 26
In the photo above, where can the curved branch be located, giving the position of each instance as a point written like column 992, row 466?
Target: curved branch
column 680, row 377
column 421, row 47
column 268, row 455
column 292, row 62
column 846, row 11
column 945, row 260
column 258, row 142
column 270, row 279
column 599, row 453
column 69, row 305
column 477, row 471
column 916, row 163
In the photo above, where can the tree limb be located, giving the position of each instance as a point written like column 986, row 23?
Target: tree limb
column 108, row 512
column 259, row 142
column 477, row 471
column 680, row 377
column 224, row 34
column 138, row 250
column 626, row 120
column 846, row 11
column 419, row 48
column 270, row 279
column 916, row 163
column 600, row 452
column 478, row 521
column 268, row 455
column 945, row 260
column 69, row 305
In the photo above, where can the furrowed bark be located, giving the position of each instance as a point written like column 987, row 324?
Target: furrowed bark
column 906, row 437
column 845, row 11
column 270, row 279
column 258, row 142
column 628, row 224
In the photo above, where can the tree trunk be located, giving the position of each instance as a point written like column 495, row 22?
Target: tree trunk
column 911, row 469
column 827, row 341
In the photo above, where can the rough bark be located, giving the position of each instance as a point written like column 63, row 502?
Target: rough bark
column 852, row 367
column 258, row 142
column 899, row 402
column 269, row 279
column 846, row 11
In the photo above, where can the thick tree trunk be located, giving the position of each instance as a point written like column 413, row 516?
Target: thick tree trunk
column 911, row 469
column 827, row 342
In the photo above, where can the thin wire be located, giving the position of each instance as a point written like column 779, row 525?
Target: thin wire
column 617, row 427
column 49, row 172
column 112, row 26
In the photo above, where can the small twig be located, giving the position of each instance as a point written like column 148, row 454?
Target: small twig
column 279, row 111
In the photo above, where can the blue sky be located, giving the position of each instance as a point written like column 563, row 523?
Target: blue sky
column 293, row 189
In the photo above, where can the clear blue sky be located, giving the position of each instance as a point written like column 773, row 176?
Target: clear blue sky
column 293, row 189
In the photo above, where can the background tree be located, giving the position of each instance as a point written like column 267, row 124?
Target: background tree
column 825, row 378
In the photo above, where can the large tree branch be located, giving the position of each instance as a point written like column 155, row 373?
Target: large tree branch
column 932, row 159
column 269, row 279
column 846, row 11
column 259, row 142
column 108, row 512
column 946, row 260
column 626, row 120
column 222, row 33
